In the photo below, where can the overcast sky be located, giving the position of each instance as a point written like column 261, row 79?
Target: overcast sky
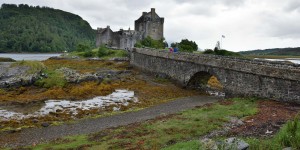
column 246, row 24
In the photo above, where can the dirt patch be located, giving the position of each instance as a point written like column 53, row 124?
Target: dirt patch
column 226, row 102
column 271, row 116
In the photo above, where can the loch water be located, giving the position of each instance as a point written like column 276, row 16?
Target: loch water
column 38, row 57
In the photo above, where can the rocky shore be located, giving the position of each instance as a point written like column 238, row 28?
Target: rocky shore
column 16, row 76
column 12, row 76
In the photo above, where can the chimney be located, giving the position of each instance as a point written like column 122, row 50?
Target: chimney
column 152, row 13
column 108, row 27
column 144, row 13
column 152, row 10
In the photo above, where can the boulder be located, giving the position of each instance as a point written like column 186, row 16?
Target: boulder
column 45, row 124
column 228, row 144
column 235, row 143
column 208, row 144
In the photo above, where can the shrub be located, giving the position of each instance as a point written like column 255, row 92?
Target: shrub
column 82, row 47
column 208, row 51
column 88, row 54
column 138, row 44
column 187, row 46
column 221, row 52
column 149, row 42
column 102, row 51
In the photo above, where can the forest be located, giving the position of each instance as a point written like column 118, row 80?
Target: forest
column 25, row 28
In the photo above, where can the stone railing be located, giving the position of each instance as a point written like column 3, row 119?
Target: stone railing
column 260, row 67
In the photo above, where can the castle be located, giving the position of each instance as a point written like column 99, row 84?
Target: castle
column 149, row 24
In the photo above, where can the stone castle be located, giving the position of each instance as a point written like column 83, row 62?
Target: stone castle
column 149, row 24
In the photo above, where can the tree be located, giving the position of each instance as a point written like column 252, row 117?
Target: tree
column 25, row 28
column 82, row 47
column 173, row 45
column 151, row 43
column 187, row 46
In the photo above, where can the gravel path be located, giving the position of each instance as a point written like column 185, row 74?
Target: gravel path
column 37, row 135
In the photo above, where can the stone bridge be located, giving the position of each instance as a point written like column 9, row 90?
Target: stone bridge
column 239, row 77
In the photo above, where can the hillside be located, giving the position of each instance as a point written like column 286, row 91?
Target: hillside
column 275, row 51
column 26, row 28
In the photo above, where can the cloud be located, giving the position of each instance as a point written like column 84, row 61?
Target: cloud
column 247, row 24
column 294, row 5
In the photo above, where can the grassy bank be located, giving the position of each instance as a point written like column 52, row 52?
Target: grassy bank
column 162, row 132
column 4, row 59
column 101, row 52
column 181, row 131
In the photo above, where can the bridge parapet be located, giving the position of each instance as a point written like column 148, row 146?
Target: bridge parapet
column 259, row 67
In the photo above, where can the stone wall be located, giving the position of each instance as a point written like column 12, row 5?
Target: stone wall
column 239, row 77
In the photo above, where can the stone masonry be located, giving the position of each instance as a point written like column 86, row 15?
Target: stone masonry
column 239, row 77
column 149, row 24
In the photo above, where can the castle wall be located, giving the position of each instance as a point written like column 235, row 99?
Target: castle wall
column 155, row 30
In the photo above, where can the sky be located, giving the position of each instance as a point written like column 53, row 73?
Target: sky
column 246, row 24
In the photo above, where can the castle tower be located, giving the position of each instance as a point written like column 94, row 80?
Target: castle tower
column 104, row 36
column 150, row 24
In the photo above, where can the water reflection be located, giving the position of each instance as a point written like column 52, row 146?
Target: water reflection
column 118, row 98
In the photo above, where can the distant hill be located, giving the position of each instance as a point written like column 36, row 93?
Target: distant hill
column 275, row 51
column 26, row 28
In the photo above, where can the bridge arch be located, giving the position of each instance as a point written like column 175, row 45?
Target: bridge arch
column 204, row 80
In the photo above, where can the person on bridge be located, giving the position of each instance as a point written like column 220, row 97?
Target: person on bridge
column 176, row 50
column 171, row 50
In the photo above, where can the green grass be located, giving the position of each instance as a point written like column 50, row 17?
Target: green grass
column 105, row 53
column 166, row 131
column 189, row 145
column 54, row 79
column 66, row 143
column 35, row 66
